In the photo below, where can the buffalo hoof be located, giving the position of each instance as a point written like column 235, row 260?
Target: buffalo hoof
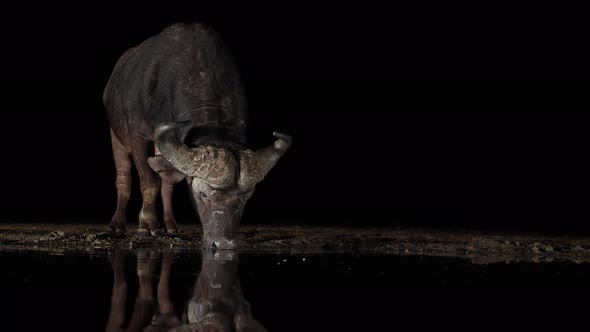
column 157, row 233
column 116, row 231
column 143, row 232
column 173, row 231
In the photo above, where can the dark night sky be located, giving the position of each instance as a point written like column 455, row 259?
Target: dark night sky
column 384, row 132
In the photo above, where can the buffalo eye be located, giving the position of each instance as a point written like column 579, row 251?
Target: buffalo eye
column 203, row 195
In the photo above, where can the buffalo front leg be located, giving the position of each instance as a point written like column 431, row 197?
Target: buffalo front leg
column 170, row 177
column 169, row 219
column 150, row 189
column 122, row 183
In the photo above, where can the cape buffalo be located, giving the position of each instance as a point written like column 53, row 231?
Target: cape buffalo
column 176, row 107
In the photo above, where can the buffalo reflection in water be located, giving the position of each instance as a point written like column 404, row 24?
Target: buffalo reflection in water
column 215, row 304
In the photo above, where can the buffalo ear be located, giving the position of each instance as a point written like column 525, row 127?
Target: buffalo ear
column 160, row 164
column 165, row 169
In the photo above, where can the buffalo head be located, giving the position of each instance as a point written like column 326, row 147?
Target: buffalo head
column 221, row 180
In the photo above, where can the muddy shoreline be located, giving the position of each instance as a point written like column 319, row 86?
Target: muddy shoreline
column 479, row 247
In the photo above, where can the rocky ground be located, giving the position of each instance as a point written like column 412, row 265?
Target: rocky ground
column 479, row 247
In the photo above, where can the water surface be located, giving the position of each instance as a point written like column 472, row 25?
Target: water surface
column 335, row 292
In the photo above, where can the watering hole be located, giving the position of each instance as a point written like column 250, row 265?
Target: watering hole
column 342, row 286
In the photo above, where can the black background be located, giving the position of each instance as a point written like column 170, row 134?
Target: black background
column 434, row 115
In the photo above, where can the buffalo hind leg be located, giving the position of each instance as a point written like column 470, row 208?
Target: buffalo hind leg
column 150, row 189
column 122, row 183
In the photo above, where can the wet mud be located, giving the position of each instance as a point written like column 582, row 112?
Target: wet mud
column 478, row 247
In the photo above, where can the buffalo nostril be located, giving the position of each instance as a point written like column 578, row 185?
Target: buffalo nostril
column 223, row 244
